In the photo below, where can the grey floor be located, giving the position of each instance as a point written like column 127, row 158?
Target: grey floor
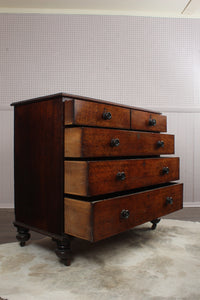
column 8, row 232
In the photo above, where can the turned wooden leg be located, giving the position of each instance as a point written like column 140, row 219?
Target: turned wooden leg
column 63, row 251
column 23, row 235
column 155, row 222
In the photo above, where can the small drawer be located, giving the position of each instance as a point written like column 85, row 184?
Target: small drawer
column 99, row 142
column 141, row 120
column 90, row 178
column 97, row 220
column 79, row 112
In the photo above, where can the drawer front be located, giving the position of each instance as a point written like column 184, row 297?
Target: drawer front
column 101, row 219
column 79, row 112
column 98, row 142
column 146, row 121
column 103, row 177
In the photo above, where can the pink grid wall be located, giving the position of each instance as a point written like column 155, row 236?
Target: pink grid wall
column 145, row 61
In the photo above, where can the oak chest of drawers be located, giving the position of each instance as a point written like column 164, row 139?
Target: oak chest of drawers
column 90, row 169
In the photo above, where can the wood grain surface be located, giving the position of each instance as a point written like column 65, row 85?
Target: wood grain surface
column 102, row 176
column 98, row 142
column 91, row 114
column 140, row 121
column 39, row 165
column 101, row 219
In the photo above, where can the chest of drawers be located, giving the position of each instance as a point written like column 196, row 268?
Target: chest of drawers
column 90, row 169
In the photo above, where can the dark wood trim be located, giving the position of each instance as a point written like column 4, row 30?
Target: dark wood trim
column 37, row 99
column 38, row 170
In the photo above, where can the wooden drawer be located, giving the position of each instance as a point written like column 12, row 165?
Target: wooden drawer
column 98, row 142
column 89, row 178
column 79, row 112
column 97, row 220
column 141, row 120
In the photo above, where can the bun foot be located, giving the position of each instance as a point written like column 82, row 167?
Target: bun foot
column 22, row 236
column 63, row 251
column 155, row 222
column 22, row 244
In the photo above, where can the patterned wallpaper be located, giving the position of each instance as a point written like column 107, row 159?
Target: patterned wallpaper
column 143, row 61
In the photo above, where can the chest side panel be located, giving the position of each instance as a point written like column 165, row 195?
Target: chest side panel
column 39, row 165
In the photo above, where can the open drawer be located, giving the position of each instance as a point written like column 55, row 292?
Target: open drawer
column 99, row 219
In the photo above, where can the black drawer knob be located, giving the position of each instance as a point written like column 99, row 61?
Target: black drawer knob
column 107, row 115
column 165, row 170
column 121, row 176
column 114, row 143
column 124, row 214
column 161, row 144
column 152, row 122
column 169, row 200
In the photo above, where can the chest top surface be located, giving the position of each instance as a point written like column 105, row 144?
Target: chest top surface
column 66, row 96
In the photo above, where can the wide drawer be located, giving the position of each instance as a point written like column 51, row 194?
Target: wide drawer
column 98, row 142
column 97, row 220
column 89, row 178
column 79, row 112
column 141, row 120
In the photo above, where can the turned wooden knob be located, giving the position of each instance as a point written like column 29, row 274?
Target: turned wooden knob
column 161, row 144
column 152, row 122
column 165, row 170
column 114, row 143
column 121, row 176
column 107, row 115
column 124, row 214
column 169, row 200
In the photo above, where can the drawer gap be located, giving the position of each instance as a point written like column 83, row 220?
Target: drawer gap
column 122, row 129
column 118, row 194
column 108, row 158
